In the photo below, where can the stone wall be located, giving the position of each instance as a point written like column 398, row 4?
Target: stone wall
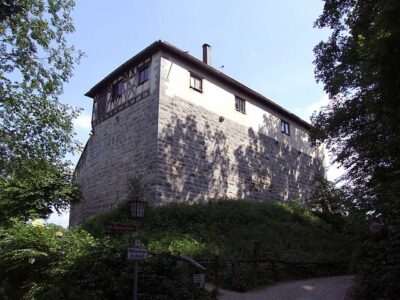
column 201, row 156
column 121, row 146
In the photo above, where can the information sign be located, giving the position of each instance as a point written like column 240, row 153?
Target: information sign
column 137, row 253
column 121, row 228
column 198, row 279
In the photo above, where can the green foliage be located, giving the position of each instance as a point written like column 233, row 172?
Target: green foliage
column 31, row 257
column 36, row 130
column 35, row 189
column 228, row 229
column 378, row 265
column 49, row 262
column 136, row 189
column 359, row 66
column 328, row 198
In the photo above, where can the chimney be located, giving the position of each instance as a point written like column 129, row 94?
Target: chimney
column 207, row 54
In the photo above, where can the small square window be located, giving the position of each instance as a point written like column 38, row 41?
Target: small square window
column 196, row 83
column 285, row 127
column 240, row 105
column 144, row 74
column 314, row 142
column 117, row 89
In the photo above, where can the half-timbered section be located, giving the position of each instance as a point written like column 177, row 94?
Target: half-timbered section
column 124, row 89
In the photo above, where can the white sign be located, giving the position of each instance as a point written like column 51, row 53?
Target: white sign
column 136, row 253
column 137, row 243
column 198, row 279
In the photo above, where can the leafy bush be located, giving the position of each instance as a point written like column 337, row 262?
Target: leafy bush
column 378, row 265
column 49, row 262
column 32, row 255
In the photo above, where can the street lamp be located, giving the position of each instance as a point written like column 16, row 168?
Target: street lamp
column 137, row 211
column 137, row 208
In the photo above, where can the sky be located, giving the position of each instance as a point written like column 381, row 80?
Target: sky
column 266, row 45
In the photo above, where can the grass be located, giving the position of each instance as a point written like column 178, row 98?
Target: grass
column 228, row 229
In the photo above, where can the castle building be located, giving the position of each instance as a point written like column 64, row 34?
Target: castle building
column 191, row 133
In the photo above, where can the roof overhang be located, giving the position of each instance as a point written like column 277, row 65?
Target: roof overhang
column 164, row 46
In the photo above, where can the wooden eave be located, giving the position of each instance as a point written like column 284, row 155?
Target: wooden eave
column 214, row 73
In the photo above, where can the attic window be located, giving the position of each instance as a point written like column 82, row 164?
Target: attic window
column 117, row 89
column 196, row 83
column 144, row 74
column 285, row 127
column 240, row 105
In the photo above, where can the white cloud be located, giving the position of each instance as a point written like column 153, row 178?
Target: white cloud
column 83, row 121
column 83, row 126
column 62, row 220
column 306, row 112
column 334, row 170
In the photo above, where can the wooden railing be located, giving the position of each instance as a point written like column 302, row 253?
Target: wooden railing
column 215, row 262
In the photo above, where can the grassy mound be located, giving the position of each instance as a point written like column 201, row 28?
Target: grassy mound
column 288, row 233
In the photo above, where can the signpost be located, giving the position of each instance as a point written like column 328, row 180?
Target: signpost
column 137, row 253
column 198, row 279
column 121, row 228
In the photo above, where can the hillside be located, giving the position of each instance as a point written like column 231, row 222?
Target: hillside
column 302, row 244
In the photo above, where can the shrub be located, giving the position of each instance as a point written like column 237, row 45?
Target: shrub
column 49, row 262
column 32, row 255
column 377, row 265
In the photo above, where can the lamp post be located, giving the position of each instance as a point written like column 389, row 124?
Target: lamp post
column 137, row 212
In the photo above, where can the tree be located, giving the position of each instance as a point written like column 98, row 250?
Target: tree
column 36, row 130
column 329, row 199
column 359, row 66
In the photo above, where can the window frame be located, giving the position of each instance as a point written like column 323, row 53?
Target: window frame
column 95, row 109
column 240, row 104
column 146, row 71
column 196, row 78
column 117, row 89
column 285, row 127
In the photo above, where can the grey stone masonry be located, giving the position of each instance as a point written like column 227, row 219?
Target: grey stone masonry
column 199, row 157
column 122, row 146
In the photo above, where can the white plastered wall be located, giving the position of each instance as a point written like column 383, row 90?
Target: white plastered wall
column 220, row 99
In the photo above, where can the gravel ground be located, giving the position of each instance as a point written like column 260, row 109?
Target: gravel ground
column 329, row 288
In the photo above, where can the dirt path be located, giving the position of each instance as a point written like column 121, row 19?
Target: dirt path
column 328, row 288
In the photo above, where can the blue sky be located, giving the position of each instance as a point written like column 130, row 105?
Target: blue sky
column 267, row 45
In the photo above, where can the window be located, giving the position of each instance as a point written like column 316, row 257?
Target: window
column 144, row 74
column 196, row 83
column 240, row 105
column 314, row 142
column 285, row 127
column 117, row 89
column 95, row 112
